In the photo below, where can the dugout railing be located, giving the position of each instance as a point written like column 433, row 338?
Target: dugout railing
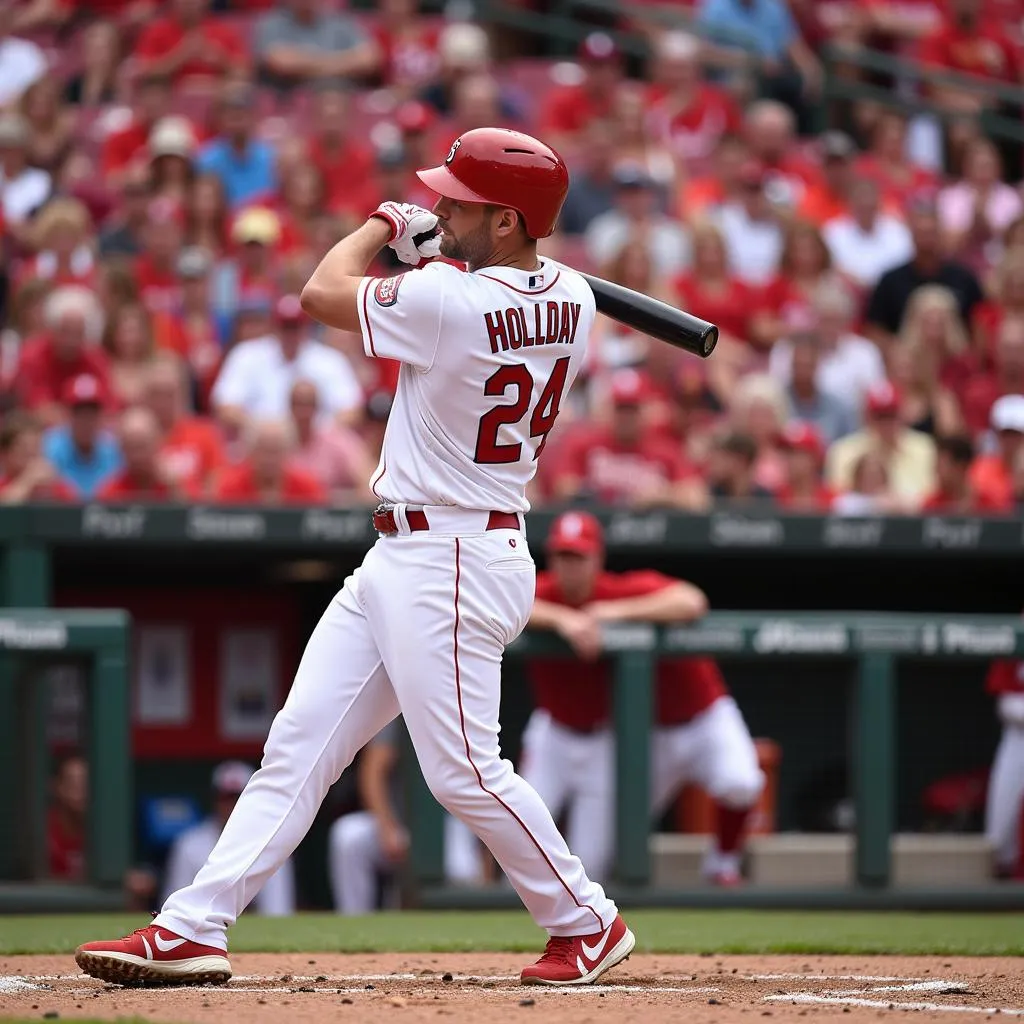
column 875, row 642
column 31, row 641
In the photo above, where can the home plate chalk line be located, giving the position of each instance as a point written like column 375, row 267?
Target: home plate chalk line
column 870, row 985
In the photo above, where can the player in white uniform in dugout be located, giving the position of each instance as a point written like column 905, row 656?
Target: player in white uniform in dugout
column 420, row 627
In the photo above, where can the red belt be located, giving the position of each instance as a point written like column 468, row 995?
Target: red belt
column 384, row 520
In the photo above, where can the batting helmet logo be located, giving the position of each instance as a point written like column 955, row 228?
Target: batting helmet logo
column 451, row 152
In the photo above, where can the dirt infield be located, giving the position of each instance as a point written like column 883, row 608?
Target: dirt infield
column 482, row 988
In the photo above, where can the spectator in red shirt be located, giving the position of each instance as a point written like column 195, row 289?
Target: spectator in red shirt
column 954, row 494
column 971, row 44
column 303, row 197
column 26, row 474
column 1006, row 377
column 191, row 451
column 143, row 477
column 65, row 820
column 152, row 101
column 408, row 42
column 346, row 163
column 803, row 489
column 991, row 475
column 265, row 477
column 62, row 236
column 568, row 109
column 805, row 269
column 887, row 162
column 636, row 143
column 74, row 323
column 156, row 267
column 705, row 195
column 688, row 114
column 190, row 46
column 568, row 747
column 625, row 462
column 770, row 132
column 830, row 197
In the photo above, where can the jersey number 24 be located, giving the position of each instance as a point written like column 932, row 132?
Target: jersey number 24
column 542, row 419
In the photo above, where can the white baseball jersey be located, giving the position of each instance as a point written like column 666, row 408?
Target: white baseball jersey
column 487, row 359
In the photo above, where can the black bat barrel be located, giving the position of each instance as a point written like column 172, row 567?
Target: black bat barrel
column 654, row 318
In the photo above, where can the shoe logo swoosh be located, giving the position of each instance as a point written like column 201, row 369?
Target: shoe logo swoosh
column 149, row 950
column 592, row 952
column 166, row 945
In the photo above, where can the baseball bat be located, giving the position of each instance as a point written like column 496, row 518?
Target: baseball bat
column 647, row 315
column 653, row 317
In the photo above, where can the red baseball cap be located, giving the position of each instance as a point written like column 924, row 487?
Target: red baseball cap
column 414, row 116
column 85, row 389
column 630, row 387
column 883, row 398
column 803, row 437
column 576, row 532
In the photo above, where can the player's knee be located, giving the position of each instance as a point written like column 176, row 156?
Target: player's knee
column 460, row 786
column 739, row 792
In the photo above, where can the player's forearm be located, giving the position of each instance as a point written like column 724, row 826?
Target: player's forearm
column 331, row 293
column 681, row 602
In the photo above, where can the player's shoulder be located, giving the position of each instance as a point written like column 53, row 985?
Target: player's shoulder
column 641, row 581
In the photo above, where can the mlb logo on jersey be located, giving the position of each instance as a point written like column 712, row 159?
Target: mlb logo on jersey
column 386, row 292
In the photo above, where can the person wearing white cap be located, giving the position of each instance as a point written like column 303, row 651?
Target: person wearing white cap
column 191, row 849
column 992, row 474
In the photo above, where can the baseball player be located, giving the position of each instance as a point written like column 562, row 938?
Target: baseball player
column 420, row 627
column 1004, row 811
column 568, row 745
column 367, row 844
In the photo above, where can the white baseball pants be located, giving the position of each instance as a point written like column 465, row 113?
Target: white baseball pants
column 575, row 772
column 355, row 859
column 1005, row 802
column 419, row 628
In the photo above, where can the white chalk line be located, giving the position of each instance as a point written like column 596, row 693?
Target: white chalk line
column 10, row 984
column 884, row 1004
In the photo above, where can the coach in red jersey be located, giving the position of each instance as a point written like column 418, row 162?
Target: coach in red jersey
column 568, row 746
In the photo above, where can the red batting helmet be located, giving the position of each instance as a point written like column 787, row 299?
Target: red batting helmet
column 506, row 168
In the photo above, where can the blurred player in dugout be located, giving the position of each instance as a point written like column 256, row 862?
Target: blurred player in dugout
column 568, row 754
column 1004, row 811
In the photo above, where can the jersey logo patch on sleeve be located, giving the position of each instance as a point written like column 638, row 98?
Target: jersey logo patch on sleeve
column 386, row 292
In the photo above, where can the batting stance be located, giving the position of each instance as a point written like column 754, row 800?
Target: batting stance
column 1004, row 811
column 568, row 745
column 420, row 628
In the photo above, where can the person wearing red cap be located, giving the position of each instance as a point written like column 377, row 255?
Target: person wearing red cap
column 81, row 450
column 803, row 490
column 568, row 109
column 1004, row 811
column 568, row 745
column 625, row 462
column 908, row 455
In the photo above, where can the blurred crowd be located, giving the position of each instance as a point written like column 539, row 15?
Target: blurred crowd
column 170, row 173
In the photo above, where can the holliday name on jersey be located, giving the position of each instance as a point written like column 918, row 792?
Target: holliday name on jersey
column 547, row 323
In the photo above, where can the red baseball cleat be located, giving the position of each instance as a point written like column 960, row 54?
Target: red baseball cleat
column 580, row 959
column 155, row 955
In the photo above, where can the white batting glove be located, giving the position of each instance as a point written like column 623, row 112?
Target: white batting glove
column 408, row 222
